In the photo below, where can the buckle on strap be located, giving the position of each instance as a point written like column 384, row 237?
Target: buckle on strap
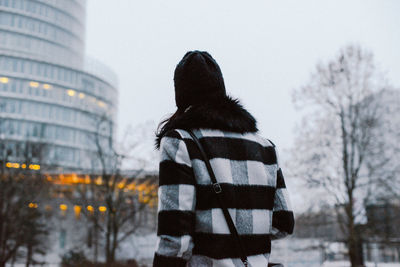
column 217, row 188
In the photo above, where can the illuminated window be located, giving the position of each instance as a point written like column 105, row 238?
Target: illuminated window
column 34, row 84
column 81, row 95
column 12, row 165
column 35, row 167
column 77, row 210
column 90, row 208
column 33, row 205
column 102, row 209
column 3, row 80
column 99, row 181
column 101, row 104
column 47, row 86
column 71, row 92
column 75, row 179
column 121, row 185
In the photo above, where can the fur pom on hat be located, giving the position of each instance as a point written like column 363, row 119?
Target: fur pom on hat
column 198, row 80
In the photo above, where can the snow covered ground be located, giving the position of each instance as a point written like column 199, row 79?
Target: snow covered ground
column 290, row 252
column 368, row 264
column 293, row 252
column 326, row 264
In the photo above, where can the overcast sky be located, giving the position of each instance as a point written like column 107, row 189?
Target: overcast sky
column 265, row 49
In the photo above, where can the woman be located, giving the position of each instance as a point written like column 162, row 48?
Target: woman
column 192, row 230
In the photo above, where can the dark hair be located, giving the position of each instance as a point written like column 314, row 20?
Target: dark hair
column 164, row 125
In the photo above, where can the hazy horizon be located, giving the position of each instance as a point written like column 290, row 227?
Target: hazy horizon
column 265, row 50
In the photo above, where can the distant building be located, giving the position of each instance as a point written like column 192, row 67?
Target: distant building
column 78, row 208
column 319, row 225
column 49, row 91
column 381, row 233
column 384, row 233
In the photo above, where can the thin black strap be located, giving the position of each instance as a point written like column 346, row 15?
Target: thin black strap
column 218, row 190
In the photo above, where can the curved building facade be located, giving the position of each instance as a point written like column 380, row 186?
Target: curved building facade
column 49, row 91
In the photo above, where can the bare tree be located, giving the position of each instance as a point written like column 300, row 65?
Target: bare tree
column 23, row 230
column 124, row 198
column 337, row 147
column 384, row 166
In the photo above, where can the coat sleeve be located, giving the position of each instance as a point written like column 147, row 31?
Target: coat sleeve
column 282, row 214
column 176, row 205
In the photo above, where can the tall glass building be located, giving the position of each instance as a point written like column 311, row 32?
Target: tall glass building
column 49, row 91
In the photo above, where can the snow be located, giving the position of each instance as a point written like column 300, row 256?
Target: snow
column 368, row 264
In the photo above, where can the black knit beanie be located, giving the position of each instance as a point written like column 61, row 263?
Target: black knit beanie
column 198, row 79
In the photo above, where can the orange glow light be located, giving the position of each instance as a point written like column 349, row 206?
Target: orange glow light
column 77, row 210
column 35, row 167
column 12, row 165
column 33, row 205
column 75, row 179
column 99, row 181
column 132, row 186
column 121, row 185
column 90, row 208
column 102, row 209
column 63, row 207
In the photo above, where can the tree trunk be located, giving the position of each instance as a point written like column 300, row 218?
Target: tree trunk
column 355, row 246
column 114, row 245
column 96, row 243
column 108, row 241
column 356, row 253
column 354, row 242
column 28, row 256
column 353, row 239
column 28, row 262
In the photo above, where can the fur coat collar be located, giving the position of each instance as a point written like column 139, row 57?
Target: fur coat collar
column 226, row 115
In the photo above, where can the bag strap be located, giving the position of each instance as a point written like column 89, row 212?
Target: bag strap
column 218, row 192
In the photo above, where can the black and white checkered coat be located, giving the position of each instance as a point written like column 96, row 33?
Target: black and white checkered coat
column 192, row 230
